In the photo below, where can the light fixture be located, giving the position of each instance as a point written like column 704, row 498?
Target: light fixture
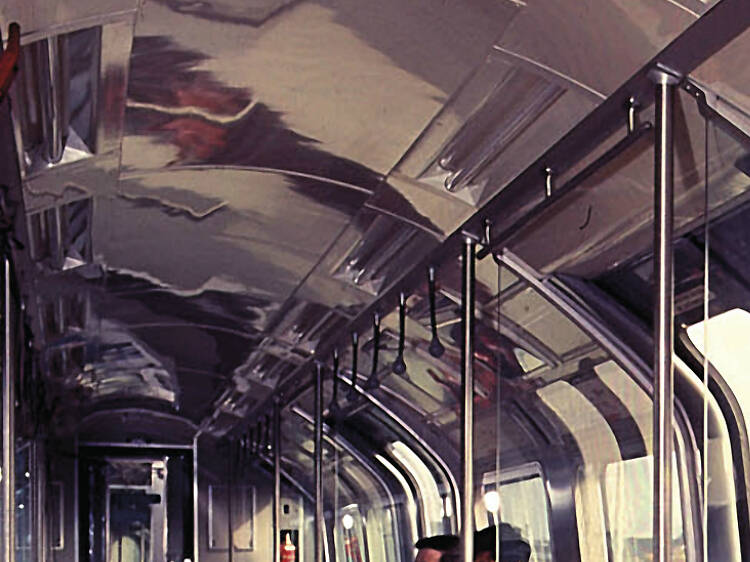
column 347, row 521
column 447, row 507
column 492, row 501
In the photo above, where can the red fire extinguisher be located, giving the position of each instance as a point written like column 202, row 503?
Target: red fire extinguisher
column 288, row 550
column 351, row 546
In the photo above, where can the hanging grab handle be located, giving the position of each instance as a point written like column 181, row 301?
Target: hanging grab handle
column 334, row 405
column 251, row 442
column 355, row 347
column 436, row 348
column 268, row 433
column 399, row 365
column 372, row 381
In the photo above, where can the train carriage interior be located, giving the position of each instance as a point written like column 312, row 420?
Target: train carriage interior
column 315, row 280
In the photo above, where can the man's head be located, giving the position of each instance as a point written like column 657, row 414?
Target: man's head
column 512, row 546
column 431, row 549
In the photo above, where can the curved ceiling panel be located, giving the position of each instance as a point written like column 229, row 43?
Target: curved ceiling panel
column 593, row 43
column 255, row 173
column 323, row 87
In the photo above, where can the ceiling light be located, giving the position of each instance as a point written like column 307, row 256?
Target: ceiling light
column 492, row 501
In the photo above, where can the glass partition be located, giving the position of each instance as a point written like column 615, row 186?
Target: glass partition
column 711, row 295
column 578, row 428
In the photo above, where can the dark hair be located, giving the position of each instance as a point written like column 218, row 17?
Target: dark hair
column 512, row 546
column 438, row 542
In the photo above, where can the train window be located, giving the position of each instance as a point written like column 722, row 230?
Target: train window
column 350, row 534
column 611, row 470
column 521, row 501
column 526, row 360
column 628, row 503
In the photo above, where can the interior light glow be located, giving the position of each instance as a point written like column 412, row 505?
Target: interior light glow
column 727, row 349
column 347, row 521
column 492, row 501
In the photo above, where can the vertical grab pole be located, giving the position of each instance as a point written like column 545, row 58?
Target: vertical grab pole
column 276, row 479
column 663, row 314
column 196, row 499
column 467, row 383
column 8, row 480
column 319, row 462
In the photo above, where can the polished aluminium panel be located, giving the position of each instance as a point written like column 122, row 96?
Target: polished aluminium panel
column 663, row 314
column 41, row 19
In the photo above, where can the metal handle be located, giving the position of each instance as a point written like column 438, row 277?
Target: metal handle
column 355, row 348
column 399, row 365
column 372, row 381
column 436, row 348
column 334, row 405
column 268, row 432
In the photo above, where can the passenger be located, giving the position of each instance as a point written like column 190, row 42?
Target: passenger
column 431, row 549
column 513, row 548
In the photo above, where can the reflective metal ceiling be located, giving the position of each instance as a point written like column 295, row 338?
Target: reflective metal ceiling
column 239, row 178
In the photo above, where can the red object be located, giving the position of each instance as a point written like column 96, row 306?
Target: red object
column 351, row 545
column 9, row 59
column 288, row 550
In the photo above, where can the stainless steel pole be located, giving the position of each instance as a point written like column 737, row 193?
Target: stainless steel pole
column 196, row 501
column 276, row 480
column 8, row 481
column 663, row 315
column 319, row 528
column 467, row 381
